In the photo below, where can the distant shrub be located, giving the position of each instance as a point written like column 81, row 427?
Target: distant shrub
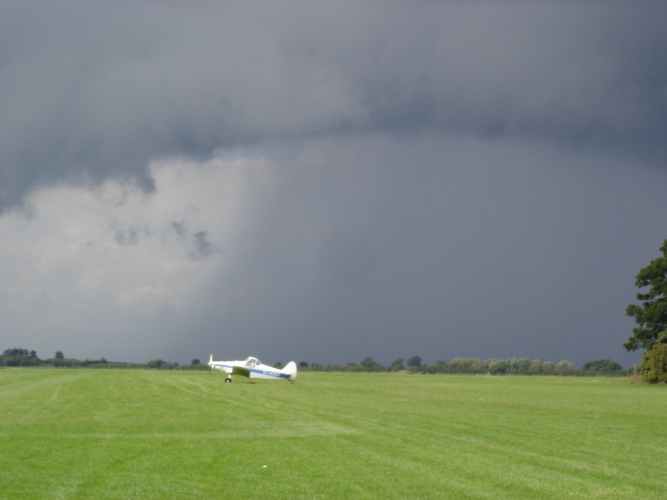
column 548, row 368
column 497, row 367
column 397, row 365
column 535, row 367
column 654, row 364
column 19, row 357
column 158, row 364
column 369, row 365
column 602, row 367
column 414, row 361
column 565, row 368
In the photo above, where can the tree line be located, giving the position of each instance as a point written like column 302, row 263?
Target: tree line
column 24, row 357
column 514, row 366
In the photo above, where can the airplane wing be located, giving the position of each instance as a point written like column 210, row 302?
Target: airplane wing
column 239, row 370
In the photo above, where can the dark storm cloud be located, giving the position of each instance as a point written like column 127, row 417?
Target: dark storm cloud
column 92, row 90
column 346, row 257
column 443, row 248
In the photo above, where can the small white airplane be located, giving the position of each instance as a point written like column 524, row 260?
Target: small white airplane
column 253, row 368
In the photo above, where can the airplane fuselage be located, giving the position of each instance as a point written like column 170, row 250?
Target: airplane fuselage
column 254, row 368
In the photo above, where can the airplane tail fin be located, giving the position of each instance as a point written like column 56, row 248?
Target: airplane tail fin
column 290, row 370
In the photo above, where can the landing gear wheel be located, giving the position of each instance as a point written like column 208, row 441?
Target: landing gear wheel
column 228, row 380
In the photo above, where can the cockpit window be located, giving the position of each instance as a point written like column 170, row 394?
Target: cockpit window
column 252, row 362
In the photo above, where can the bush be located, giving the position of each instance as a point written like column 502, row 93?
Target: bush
column 654, row 364
column 414, row 361
column 548, row 368
column 602, row 367
column 20, row 357
column 564, row 367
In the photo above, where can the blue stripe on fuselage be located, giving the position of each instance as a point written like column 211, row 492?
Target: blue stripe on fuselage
column 269, row 373
column 260, row 372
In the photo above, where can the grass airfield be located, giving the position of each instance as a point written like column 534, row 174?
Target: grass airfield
column 175, row 434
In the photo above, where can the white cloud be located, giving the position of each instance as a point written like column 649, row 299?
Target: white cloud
column 116, row 251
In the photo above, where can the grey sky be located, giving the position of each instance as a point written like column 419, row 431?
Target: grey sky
column 328, row 181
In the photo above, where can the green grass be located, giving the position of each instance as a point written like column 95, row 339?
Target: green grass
column 159, row 434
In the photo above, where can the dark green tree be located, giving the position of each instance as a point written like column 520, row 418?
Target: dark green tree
column 521, row 366
column 651, row 315
column 397, row 365
column 155, row 363
column 602, row 366
column 497, row 366
column 654, row 364
column 20, row 357
column 195, row 362
column 369, row 365
column 414, row 361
